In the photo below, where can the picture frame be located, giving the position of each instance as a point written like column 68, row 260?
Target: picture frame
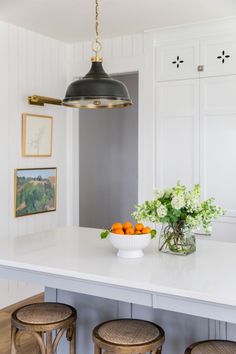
column 35, row 190
column 37, row 132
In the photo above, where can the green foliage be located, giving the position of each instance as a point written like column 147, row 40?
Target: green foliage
column 153, row 234
column 104, row 234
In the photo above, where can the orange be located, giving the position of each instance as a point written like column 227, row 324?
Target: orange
column 146, row 230
column 119, row 231
column 139, row 227
column 117, row 226
column 127, row 225
column 129, row 231
column 137, row 232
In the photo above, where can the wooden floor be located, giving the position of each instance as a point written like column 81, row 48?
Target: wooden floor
column 27, row 344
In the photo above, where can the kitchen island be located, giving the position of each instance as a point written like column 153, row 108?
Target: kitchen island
column 192, row 297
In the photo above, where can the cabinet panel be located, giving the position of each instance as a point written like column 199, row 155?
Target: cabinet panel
column 180, row 329
column 218, row 55
column 177, row 61
column 218, row 140
column 177, row 147
column 177, row 133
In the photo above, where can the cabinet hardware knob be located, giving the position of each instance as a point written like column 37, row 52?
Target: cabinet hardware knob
column 200, row 68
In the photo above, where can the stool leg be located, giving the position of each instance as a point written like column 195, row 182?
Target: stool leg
column 41, row 334
column 97, row 350
column 49, row 348
column 73, row 339
column 13, row 337
column 159, row 350
column 40, row 341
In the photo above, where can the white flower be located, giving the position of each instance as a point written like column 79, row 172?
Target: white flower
column 159, row 193
column 161, row 211
column 196, row 190
column 168, row 192
column 178, row 202
column 192, row 222
column 192, row 202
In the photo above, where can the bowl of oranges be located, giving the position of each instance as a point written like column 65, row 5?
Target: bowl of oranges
column 128, row 239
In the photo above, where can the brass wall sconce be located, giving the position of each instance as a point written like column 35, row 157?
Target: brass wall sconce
column 42, row 100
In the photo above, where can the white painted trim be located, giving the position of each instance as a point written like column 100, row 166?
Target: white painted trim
column 72, row 167
column 194, row 30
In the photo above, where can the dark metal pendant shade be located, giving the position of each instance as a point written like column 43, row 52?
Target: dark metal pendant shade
column 97, row 90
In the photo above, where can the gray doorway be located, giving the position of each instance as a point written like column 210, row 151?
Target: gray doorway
column 108, row 162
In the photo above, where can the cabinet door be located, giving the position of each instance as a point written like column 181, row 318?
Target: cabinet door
column 218, row 141
column 177, row 133
column 218, row 55
column 177, row 61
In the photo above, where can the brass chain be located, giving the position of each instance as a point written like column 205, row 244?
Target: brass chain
column 97, row 22
column 97, row 46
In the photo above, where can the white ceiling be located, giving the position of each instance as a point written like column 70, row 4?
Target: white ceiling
column 73, row 20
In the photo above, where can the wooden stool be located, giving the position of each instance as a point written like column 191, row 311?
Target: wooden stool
column 44, row 318
column 128, row 336
column 212, row 347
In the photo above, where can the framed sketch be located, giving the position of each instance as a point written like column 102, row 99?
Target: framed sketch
column 35, row 190
column 36, row 135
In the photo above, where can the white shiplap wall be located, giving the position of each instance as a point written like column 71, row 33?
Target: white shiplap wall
column 117, row 47
column 29, row 64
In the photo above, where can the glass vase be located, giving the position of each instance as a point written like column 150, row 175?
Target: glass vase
column 177, row 240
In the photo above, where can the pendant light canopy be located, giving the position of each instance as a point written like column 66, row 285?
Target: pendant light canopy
column 97, row 89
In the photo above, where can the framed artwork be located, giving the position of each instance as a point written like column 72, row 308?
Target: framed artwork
column 35, row 190
column 36, row 135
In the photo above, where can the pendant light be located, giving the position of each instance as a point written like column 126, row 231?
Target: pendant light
column 97, row 89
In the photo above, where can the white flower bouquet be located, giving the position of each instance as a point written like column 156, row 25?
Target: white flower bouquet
column 181, row 212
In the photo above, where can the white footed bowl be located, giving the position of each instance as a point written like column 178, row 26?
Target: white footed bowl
column 130, row 246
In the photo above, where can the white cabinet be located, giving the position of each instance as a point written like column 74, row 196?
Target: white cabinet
column 218, row 56
column 177, row 129
column 177, row 61
column 218, row 140
column 181, row 60
column 196, row 123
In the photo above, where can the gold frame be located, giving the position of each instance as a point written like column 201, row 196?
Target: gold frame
column 15, row 190
column 24, row 125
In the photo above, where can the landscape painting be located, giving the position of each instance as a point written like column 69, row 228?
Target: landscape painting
column 35, row 190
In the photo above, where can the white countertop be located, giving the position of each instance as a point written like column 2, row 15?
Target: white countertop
column 79, row 253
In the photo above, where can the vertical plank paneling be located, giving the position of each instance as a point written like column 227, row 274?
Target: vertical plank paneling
column 138, row 44
column 78, row 52
column 13, row 102
column 128, row 46
column 107, row 48
column 117, row 47
column 4, row 138
column 87, row 51
column 29, row 64
column 4, row 129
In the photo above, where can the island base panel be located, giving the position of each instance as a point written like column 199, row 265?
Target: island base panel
column 180, row 329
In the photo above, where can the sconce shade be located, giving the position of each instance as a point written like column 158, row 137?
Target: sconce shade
column 97, row 90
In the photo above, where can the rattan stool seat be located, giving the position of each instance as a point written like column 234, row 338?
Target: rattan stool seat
column 128, row 336
column 128, row 332
column 212, row 347
column 43, row 313
column 44, row 318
